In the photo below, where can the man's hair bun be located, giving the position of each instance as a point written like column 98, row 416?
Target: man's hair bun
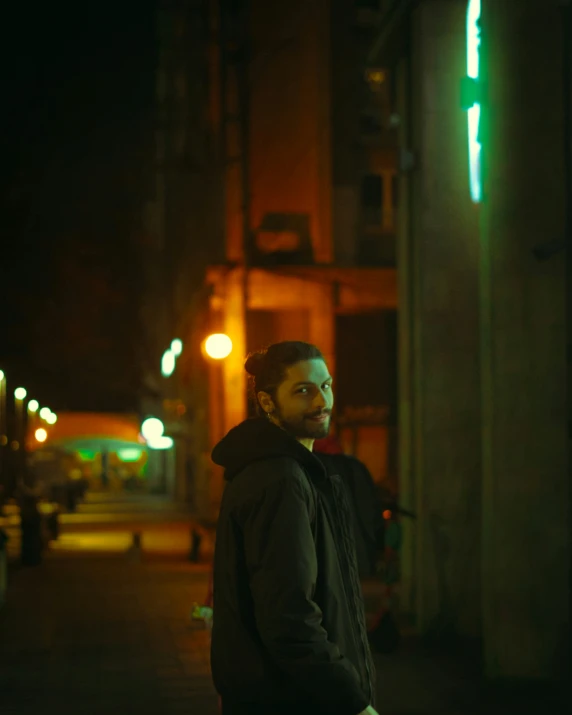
column 254, row 363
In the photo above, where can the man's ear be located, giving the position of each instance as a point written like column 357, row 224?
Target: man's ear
column 266, row 402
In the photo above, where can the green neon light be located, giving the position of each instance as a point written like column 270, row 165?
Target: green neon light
column 129, row 454
column 474, row 111
column 86, row 455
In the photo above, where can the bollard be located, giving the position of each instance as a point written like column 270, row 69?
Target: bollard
column 196, row 539
column 134, row 551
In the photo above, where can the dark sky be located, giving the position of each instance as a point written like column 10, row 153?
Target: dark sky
column 76, row 133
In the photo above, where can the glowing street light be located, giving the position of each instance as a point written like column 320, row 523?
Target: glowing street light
column 177, row 347
column 2, row 375
column 45, row 412
column 168, row 362
column 161, row 443
column 218, row 346
column 20, row 393
column 41, row 435
column 152, row 429
column 33, row 406
column 52, row 418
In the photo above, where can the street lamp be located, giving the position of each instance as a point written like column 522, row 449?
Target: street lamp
column 20, row 394
column 218, row 346
column 152, row 429
column 33, row 406
column 41, row 435
column 162, row 442
column 52, row 418
column 168, row 362
column 45, row 412
column 177, row 347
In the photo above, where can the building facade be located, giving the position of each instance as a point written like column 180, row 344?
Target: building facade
column 484, row 323
column 310, row 223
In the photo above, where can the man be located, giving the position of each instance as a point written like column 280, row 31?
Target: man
column 289, row 633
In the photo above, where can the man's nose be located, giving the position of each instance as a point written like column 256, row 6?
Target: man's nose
column 320, row 401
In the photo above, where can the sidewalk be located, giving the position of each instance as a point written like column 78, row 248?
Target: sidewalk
column 91, row 635
column 86, row 634
column 106, row 522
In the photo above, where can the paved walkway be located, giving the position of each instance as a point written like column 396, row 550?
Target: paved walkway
column 89, row 635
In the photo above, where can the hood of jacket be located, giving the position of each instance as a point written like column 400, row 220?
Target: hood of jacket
column 257, row 439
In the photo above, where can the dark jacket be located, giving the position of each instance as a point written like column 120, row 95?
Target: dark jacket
column 289, row 631
column 366, row 508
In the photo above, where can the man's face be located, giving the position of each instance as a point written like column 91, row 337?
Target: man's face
column 304, row 401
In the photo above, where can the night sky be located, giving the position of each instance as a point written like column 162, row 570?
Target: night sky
column 77, row 157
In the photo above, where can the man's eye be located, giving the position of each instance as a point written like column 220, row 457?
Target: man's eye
column 327, row 386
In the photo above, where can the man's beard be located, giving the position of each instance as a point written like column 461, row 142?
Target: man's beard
column 303, row 427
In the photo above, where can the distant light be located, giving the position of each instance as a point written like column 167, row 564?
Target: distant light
column 375, row 79
column 168, row 363
column 2, row 375
column 15, row 445
column 177, row 347
column 44, row 412
column 33, row 406
column 129, row 454
column 160, row 443
column 41, row 435
column 387, row 514
column 20, row 393
column 218, row 346
column 52, row 418
column 152, row 429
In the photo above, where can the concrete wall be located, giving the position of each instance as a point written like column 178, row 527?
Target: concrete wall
column 483, row 414
column 439, row 367
column 526, row 555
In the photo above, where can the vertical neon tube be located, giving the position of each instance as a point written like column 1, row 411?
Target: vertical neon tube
column 474, row 113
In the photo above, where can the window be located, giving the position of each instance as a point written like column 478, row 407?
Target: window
column 372, row 200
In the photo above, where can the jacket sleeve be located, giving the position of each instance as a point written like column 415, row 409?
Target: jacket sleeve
column 282, row 566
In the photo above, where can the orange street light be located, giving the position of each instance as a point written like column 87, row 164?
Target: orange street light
column 218, row 346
